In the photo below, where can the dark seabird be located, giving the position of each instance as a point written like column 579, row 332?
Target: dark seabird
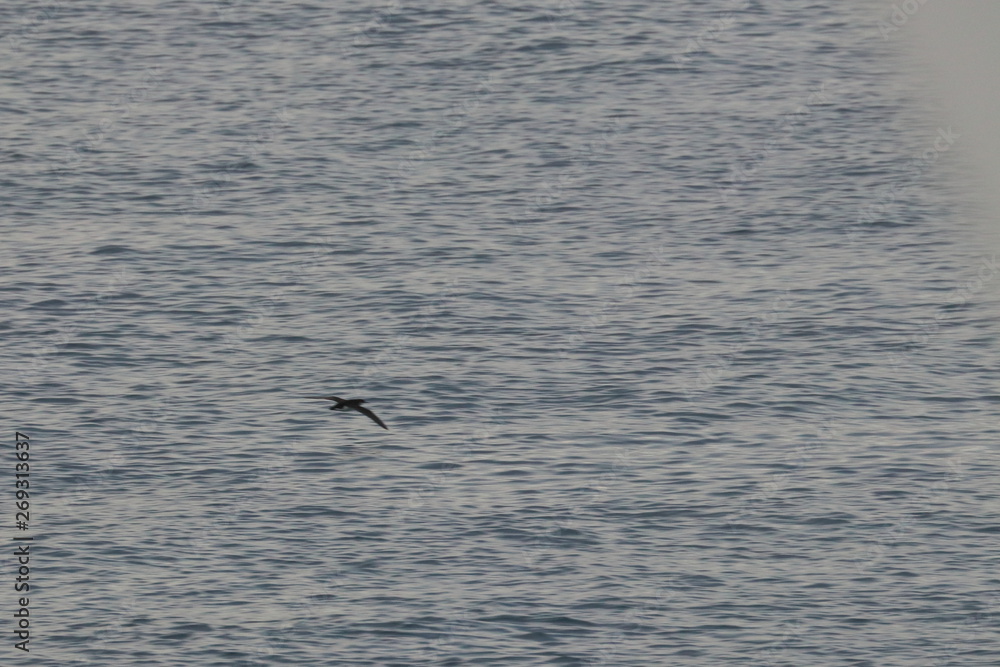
column 353, row 404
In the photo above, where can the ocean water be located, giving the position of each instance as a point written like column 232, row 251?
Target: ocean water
column 677, row 314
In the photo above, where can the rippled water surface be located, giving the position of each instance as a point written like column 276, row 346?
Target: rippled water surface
column 686, row 347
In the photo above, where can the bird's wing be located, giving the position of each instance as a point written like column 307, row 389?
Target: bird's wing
column 327, row 398
column 371, row 415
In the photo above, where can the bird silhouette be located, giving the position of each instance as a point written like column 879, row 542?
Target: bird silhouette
column 352, row 404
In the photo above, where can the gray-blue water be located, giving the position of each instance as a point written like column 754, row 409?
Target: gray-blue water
column 679, row 321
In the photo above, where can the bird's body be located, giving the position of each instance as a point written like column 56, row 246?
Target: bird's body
column 352, row 404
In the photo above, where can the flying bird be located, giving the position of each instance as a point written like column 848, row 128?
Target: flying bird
column 353, row 404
